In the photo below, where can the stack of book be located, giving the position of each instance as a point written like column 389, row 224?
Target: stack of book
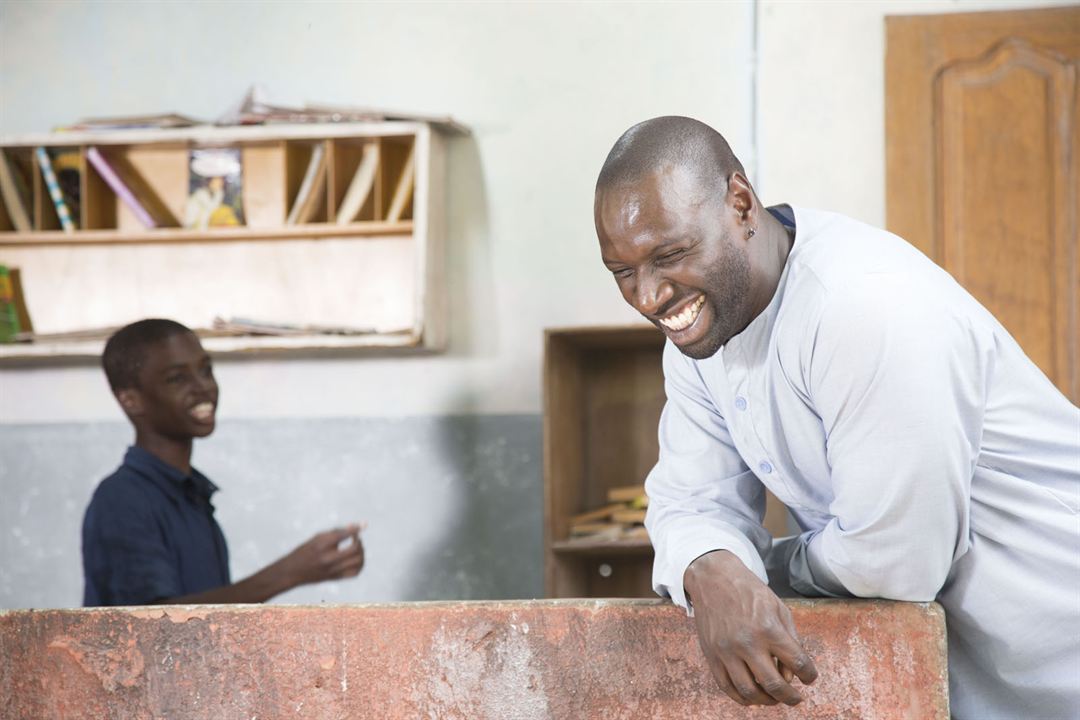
column 131, row 122
column 620, row 520
column 246, row 326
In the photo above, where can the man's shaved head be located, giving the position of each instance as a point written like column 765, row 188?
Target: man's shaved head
column 670, row 140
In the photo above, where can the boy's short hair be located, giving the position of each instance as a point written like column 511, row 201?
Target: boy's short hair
column 125, row 351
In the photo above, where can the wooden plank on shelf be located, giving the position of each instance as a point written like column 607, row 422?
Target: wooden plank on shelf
column 628, row 516
column 78, row 351
column 626, row 493
column 606, row 529
column 586, row 546
column 593, row 515
column 371, row 228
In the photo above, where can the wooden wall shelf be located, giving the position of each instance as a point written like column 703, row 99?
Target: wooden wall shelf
column 380, row 272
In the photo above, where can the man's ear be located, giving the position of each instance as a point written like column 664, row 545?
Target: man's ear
column 741, row 196
column 131, row 401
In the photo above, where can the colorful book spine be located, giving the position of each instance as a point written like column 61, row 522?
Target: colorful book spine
column 53, row 186
column 9, row 319
column 112, row 179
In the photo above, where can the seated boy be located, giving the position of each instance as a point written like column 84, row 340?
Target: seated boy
column 149, row 535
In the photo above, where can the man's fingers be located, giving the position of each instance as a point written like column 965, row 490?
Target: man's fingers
column 745, row 684
column 792, row 656
column 722, row 679
column 801, row 663
column 770, row 680
column 785, row 672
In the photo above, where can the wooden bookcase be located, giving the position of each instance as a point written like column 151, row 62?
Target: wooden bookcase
column 603, row 394
column 384, row 277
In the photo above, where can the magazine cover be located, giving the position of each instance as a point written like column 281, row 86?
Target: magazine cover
column 214, row 183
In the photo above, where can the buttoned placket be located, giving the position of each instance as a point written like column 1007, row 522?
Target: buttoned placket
column 741, row 403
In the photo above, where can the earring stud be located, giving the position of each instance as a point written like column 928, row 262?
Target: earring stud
column 751, row 232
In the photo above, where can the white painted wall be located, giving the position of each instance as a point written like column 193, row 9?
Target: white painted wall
column 546, row 87
column 822, row 98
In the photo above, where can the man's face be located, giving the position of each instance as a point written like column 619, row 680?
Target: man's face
column 177, row 395
column 677, row 258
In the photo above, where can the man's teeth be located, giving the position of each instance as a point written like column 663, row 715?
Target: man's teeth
column 203, row 411
column 684, row 319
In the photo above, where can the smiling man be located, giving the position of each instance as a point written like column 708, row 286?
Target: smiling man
column 149, row 535
column 922, row 454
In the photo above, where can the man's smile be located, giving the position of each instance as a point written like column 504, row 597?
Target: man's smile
column 685, row 317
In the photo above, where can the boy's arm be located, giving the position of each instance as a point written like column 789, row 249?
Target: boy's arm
column 318, row 559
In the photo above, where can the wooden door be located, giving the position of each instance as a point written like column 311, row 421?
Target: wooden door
column 983, row 164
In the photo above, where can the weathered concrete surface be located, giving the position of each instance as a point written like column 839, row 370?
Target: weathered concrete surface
column 499, row 661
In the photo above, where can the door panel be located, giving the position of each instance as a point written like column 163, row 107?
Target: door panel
column 983, row 162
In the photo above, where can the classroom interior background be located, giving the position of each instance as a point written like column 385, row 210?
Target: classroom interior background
column 439, row 453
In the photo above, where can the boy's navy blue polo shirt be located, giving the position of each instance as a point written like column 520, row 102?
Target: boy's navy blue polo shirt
column 150, row 534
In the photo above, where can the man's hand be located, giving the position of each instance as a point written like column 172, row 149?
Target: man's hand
column 323, row 557
column 745, row 632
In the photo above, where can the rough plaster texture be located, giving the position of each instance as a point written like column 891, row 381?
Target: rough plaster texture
column 546, row 659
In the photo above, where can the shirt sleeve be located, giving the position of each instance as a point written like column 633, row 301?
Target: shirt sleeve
column 899, row 382
column 702, row 497
column 126, row 552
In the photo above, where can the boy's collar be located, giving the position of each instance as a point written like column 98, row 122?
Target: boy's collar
column 151, row 465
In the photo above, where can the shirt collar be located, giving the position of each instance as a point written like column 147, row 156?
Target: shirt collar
column 783, row 213
column 170, row 478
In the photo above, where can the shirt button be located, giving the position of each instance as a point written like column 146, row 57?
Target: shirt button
column 740, row 402
column 765, row 467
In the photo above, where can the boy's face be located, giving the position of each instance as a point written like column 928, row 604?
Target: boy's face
column 177, row 395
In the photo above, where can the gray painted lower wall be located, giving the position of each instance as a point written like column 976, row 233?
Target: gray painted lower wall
column 454, row 505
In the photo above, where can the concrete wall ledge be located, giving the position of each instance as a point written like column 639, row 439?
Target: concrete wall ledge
column 477, row 660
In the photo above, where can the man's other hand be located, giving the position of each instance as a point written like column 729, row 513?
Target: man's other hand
column 745, row 632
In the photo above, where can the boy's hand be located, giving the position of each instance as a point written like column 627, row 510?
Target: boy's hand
column 325, row 557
